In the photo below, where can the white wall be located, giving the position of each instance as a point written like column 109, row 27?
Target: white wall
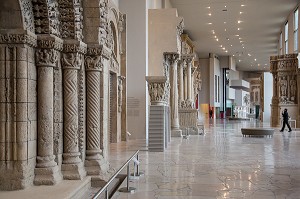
column 204, row 93
column 137, row 69
column 214, row 69
column 162, row 37
column 268, row 93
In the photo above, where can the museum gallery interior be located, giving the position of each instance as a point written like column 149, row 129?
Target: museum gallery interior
column 188, row 95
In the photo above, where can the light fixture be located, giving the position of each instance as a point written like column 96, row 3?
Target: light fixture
column 240, row 60
column 223, row 48
column 242, row 5
column 249, row 54
column 217, row 39
column 226, row 51
column 241, row 13
column 209, row 14
column 231, row 45
column 215, row 36
column 239, row 21
column 225, row 30
column 237, row 35
column 225, row 6
column 238, row 28
column 224, row 22
column 208, row 7
column 243, row 46
column 209, row 23
column 254, row 59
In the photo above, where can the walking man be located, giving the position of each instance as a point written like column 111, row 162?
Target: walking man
column 285, row 117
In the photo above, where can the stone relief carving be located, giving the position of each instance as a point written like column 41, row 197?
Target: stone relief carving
column 197, row 82
column 121, row 27
column 46, row 17
column 26, row 7
column 71, row 60
column 120, row 89
column 46, row 57
column 159, row 92
column 187, row 104
column 293, row 89
column 114, row 65
column 93, row 63
column 103, row 29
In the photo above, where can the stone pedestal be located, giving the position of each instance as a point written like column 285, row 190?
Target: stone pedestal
column 159, row 130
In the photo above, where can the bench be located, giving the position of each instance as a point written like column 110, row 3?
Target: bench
column 257, row 132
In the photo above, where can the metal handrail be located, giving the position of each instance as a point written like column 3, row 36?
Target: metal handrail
column 113, row 177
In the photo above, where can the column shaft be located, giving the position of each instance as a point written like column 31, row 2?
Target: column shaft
column 189, row 81
column 181, row 83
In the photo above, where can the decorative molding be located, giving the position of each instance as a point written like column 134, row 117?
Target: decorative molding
column 159, row 90
column 94, row 50
column 27, row 12
column 114, row 65
column 50, row 42
column 46, row 17
column 74, row 46
column 71, row 19
column 104, row 26
column 24, row 38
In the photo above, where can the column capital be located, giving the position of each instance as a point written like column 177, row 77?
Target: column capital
column 96, row 49
column 72, row 60
column 171, row 57
column 188, row 58
column 159, row 89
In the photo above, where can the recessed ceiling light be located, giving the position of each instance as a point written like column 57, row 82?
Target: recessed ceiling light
column 249, row 54
column 258, row 64
column 237, row 35
column 224, row 22
column 209, row 23
column 233, row 55
column 240, row 60
column 239, row 21
column 226, row 51
column 254, row 59
column 241, row 13
column 240, row 38
column 266, row 64
column 225, row 6
column 215, row 36
column 238, row 28
column 217, row 39
column 209, row 14
column 225, row 30
column 243, row 46
column 223, row 48
column 242, row 5
column 231, row 45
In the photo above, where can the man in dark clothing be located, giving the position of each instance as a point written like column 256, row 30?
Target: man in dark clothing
column 285, row 116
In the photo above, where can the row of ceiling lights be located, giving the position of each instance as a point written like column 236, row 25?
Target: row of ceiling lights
column 237, row 35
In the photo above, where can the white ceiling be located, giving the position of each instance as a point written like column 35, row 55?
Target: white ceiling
column 259, row 29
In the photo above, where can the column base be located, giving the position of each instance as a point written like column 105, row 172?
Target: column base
column 96, row 167
column 47, row 176
column 74, row 171
column 176, row 133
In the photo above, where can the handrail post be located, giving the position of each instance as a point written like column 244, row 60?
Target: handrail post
column 127, row 189
column 128, row 177
column 106, row 193
column 137, row 166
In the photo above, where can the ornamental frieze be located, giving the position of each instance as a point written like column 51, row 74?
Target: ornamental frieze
column 26, row 38
column 73, row 46
column 47, row 41
column 102, row 50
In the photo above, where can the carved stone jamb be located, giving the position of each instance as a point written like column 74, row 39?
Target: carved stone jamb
column 121, row 27
column 72, row 58
column 172, row 59
column 275, row 99
column 159, row 89
column 120, row 90
column 197, row 82
column 104, row 23
column 95, row 163
column 46, row 171
column 189, row 59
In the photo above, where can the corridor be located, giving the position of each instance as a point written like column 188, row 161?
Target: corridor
column 220, row 164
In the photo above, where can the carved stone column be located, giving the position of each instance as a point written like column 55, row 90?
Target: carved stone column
column 181, row 82
column 95, row 163
column 159, row 90
column 172, row 59
column 189, row 59
column 72, row 167
column 46, row 171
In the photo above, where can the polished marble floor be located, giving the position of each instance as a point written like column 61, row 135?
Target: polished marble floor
column 219, row 164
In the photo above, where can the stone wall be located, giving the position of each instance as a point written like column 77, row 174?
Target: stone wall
column 55, row 65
